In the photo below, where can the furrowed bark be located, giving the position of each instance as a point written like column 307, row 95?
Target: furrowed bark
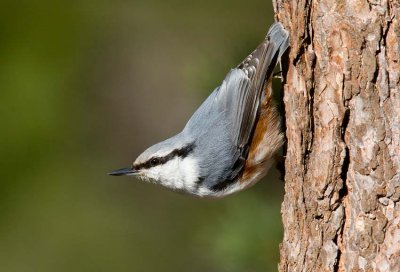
column 341, row 210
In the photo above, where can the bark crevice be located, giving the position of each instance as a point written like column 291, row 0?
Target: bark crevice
column 342, row 114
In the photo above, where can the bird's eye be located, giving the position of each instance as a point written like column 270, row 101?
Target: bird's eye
column 154, row 161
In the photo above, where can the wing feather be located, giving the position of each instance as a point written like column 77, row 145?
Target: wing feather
column 240, row 94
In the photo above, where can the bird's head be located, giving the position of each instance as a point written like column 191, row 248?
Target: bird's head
column 170, row 163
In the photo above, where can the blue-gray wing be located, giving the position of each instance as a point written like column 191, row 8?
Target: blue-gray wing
column 240, row 94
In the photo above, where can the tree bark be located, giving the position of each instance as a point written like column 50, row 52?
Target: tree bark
column 341, row 210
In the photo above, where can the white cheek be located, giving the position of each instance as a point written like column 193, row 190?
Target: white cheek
column 177, row 173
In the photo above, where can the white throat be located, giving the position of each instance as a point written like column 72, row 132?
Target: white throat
column 178, row 173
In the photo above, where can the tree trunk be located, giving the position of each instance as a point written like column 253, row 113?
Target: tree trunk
column 341, row 210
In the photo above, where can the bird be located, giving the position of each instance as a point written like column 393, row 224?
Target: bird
column 231, row 140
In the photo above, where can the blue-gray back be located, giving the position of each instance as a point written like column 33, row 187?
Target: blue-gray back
column 223, row 125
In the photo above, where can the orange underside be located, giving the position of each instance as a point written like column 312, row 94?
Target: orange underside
column 266, row 140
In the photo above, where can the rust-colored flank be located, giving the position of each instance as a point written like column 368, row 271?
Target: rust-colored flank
column 267, row 138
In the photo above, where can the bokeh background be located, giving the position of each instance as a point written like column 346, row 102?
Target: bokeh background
column 85, row 86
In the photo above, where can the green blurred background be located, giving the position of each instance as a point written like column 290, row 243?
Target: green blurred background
column 85, row 86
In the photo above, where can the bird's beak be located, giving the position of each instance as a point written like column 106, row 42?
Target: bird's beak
column 123, row 172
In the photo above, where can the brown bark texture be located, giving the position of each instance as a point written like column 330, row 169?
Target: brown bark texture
column 341, row 210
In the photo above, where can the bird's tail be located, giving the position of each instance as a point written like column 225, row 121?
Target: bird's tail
column 278, row 35
column 277, row 40
column 260, row 64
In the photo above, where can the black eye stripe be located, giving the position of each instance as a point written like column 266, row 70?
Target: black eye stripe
column 154, row 161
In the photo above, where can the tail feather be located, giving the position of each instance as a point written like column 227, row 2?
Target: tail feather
column 260, row 64
column 278, row 35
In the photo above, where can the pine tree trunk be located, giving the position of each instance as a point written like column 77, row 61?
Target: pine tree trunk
column 341, row 210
